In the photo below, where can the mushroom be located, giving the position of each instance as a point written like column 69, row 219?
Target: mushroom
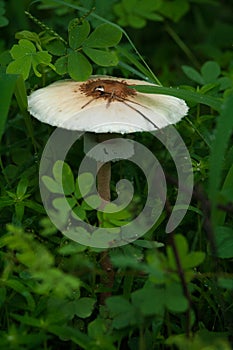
column 103, row 105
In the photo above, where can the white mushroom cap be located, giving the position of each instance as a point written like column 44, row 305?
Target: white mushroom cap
column 104, row 104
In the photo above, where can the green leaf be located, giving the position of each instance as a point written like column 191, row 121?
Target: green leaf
column 22, row 187
column 193, row 259
column 218, row 148
column 182, row 248
column 20, row 66
column 35, row 206
column 210, row 71
column 225, row 283
column 64, row 175
column 102, row 58
column 193, row 74
column 122, row 311
column 174, row 298
column 20, row 288
column 84, row 181
column 226, row 194
column 72, row 249
column 84, row 307
column 79, row 67
column 9, row 84
column 94, row 202
column 41, row 57
column 30, row 321
column 149, row 300
column 3, row 294
column 136, row 21
column 105, row 35
column 5, row 202
column 224, row 242
column 188, row 260
column 136, row 12
column 21, row 97
column 56, row 47
column 52, row 185
column 133, row 60
column 31, row 36
column 62, row 203
column 25, row 57
column 3, row 20
column 7, row 87
column 16, row 285
column 79, row 212
column 69, row 333
column 148, row 244
column 78, row 34
column 174, row 9
column 97, row 328
column 191, row 96
column 61, row 65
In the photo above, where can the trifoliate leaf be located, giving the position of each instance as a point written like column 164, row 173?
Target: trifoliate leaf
column 26, row 57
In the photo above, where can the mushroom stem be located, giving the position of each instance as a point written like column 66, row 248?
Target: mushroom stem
column 103, row 185
column 103, row 180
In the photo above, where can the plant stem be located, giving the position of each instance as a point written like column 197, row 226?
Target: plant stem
column 182, row 46
column 103, row 186
column 181, row 275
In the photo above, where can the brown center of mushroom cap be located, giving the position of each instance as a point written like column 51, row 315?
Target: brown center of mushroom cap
column 107, row 89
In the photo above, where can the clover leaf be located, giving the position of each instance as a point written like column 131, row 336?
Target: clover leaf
column 26, row 57
column 135, row 12
column 85, row 46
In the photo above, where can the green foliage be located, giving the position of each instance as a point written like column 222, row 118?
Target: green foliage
column 10, row 84
column 96, row 46
column 3, row 20
column 135, row 13
column 169, row 291
column 26, row 57
column 202, row 340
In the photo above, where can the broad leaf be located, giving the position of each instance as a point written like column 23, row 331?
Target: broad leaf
column 63, row 175
column 83, row 185
column 218, row 149
column 84, row 307
column 61, row 65
column 79, row 67
column 9, row 84
column 210, row 71
column 224, row 242
column 25, row 56
column 78, row 34
column 196, row 97
column 105, row 35
column 100, row 57
column 193, row 74
column 52, row 185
